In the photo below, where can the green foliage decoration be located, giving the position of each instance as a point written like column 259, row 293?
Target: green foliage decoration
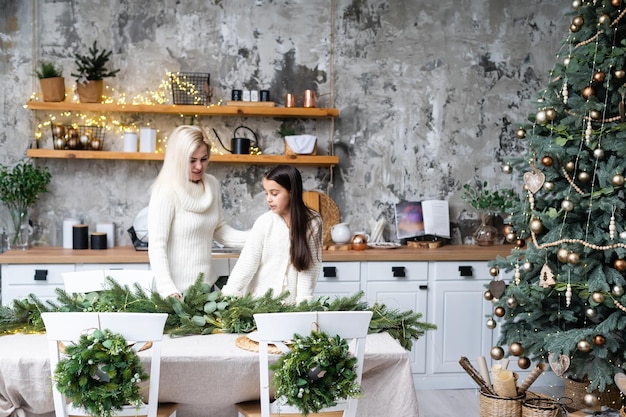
column 48, row 70
column 485, row 199
column 93, row 66
column 315, row 373
column 101, row 373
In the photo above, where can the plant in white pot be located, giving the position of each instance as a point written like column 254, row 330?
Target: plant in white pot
column 92, row 71
column 51, row 82
column 20, row 187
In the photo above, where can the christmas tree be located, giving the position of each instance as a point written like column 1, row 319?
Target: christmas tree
column 565, row 303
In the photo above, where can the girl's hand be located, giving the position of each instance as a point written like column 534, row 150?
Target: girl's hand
column 176, row 295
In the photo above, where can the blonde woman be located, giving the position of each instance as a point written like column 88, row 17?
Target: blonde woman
column 185, row 215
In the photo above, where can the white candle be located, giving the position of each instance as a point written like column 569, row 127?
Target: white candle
column 68, row 237
column 109, row 229
column 130, row 142
column 147, row 139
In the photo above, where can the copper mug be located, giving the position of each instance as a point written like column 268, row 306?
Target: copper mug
column 309, row 98
column 290, row 100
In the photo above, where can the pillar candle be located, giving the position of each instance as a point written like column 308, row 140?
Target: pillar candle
column 147, row 139
column 98, row 240
column 80, row 234
column 67, row 232
column 130, row 142
column 109, row 229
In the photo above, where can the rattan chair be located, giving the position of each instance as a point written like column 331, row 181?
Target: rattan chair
column 144, row 329
column 275, row 328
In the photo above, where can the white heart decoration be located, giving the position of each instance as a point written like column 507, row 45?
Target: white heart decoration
column 534, row 181
column 620, row 381
column 559, row 365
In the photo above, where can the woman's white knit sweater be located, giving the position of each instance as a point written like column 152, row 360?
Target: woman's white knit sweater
column 264, row 262
column 181, row 230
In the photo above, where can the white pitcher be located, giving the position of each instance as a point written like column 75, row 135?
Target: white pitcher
column 340, row 233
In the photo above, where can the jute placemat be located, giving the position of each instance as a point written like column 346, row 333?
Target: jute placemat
column 244, row 342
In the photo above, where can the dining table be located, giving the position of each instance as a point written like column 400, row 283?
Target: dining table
column 206, row 375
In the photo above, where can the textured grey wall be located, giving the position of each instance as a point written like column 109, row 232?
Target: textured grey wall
column 428, row 92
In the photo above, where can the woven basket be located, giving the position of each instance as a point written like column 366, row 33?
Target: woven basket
column 576, row 391
column 289, row 151
column 622, row 412
column 492, row 406
column 540, row 407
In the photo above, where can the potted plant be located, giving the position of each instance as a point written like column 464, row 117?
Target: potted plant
column 91, row 72
column 489, row 203
column 51, row 82
column 20, row 187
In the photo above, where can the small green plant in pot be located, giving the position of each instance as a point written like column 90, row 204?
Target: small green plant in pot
column 91, row 71
column 51, row 82
column 20, row 187
column 489, row 203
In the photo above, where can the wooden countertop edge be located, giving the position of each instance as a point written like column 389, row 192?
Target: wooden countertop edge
column 127, row 254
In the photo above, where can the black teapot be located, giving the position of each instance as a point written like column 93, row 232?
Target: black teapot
column 239, row 145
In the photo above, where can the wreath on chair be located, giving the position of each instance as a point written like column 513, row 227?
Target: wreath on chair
column 315, row 373
column 101, row 373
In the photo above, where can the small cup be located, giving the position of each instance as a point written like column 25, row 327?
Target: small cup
column 236, row 95
column 309, row 98
column 290, row 100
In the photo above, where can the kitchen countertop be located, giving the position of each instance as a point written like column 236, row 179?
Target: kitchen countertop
column 127, row 254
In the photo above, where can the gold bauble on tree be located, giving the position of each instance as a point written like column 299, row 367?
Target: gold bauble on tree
column 541, row 117
column 508, row 228
column 617, row 180
column 599, row 340
column 548, row 186
column 574, row 28
column 520, row 243
column 520, row 133
column 604, row 19
column 497, row 353
column 547, row 161
column 619, row 74
column 595, row 115
column 591, row 402
column 523, row 362
column 598, row 153
column 578, row 20
column 550, row 114
column 516, row 349
column 588, row 91
column 573, row 258
column 617, row 290
column 597, row 297
column 567, row 205
column 584, row 177
column 536, row 226
column 499, row 311
column 491, row 324
column 494, row 271
column 570, row 166
column 619, row 264
column 599, row 76
column 583, row 346
column 487, row 295
column 616, row 3
column 562, row 255
column 510, row 237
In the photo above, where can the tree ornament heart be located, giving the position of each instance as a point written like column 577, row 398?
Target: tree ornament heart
column 559, row 365
column 534, row 180
column 620, row 381
column 497, row 288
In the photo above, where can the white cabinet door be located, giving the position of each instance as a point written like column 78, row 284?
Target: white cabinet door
column 403, row 295
column 338, row 279
column 94, row 267
column 19, row 281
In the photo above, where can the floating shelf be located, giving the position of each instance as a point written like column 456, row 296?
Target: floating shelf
column 189, row 110
column 303, row 160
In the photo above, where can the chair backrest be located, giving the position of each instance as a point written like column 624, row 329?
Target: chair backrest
column 88, row 281
column 137, row 327
column 275, row 328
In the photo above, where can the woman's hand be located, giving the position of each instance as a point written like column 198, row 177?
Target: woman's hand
column 176, row 295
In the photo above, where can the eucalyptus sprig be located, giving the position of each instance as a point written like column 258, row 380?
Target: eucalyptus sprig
column 485, row 199
column 21, row 185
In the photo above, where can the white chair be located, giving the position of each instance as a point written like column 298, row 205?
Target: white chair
column 274, row 328
column 88, row 281
column 137, row 327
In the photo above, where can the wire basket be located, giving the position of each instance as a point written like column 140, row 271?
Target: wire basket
column 190, row 87
column 77, row 137
column 540, row 407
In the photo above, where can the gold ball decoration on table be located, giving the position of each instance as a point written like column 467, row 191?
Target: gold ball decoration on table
column 583, row 346
column 597, row 297
column 520, row 133
column 488, row 295
column 523, row 362
column 599, row 77
column 599, row 340
column 359, row 242
column 620, row 264
column 497, row 353
column 516, row 349
column 547, row 161
column 491, row 324
column 617, row 290
column 617, row 180
column 499, row 311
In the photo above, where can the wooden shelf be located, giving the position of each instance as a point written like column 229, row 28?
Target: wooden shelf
column 190, row 110
column 303, row 160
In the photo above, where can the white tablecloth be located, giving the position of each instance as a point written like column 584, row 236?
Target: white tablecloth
column 206, row 375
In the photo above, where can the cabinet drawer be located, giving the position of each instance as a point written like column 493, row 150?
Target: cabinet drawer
column 339, row 272
column 460, row 270
column 95, row 267
column 40, row 275
column 397, row 271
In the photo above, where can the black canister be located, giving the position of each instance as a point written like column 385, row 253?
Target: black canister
column 98, row 240
column 80, row 236
column 236, row 95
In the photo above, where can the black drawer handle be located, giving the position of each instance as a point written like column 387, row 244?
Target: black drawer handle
column 423, row 287
column 398, row 271
column 41, row 274
column 330, row 272
column 466, row 271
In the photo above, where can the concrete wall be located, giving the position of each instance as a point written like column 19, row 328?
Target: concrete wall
column 429, row 93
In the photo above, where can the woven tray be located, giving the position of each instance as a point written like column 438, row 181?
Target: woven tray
column 245, row 343
column 492, row 406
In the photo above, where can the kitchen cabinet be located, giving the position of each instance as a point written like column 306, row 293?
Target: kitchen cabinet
column 338, row 279
column 195, row 111
column 19, row 281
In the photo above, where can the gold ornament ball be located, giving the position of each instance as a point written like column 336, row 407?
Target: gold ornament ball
column 619, row 74
column 617, row 180
column 576, row 4
column 547, row 161
column 491, row 324
column 591, row 402
column 516, row 349
column 588, row 91
column 573, row 258
column 488, row 295
column 359, row 242
column 597, row 297
column 604, row 19
column 536, row 226
column 541, row 117
column 617, row 290
column 511, row 237
column 497, row 353
column 95, row 144
column 548, row 186
column 598, row 153
column 520, row 133
column 551, row 114
column 578, row 20
column 562, row 255
column 616, row 3
column 599, row 77
column 594, row 114
column 523, row 362
column 494, row 271
column 584, row 176
column 527, row 266
column 58, row 131
column 570, row 166
column 599, row 340
column 591, row 312
column 507, row 169
column 499, row 311
column 619, row 264
column 574, row 28
column 567, row 205
column 511, row 302
column 508, row 228
column 520, row 243
column 583, row 346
